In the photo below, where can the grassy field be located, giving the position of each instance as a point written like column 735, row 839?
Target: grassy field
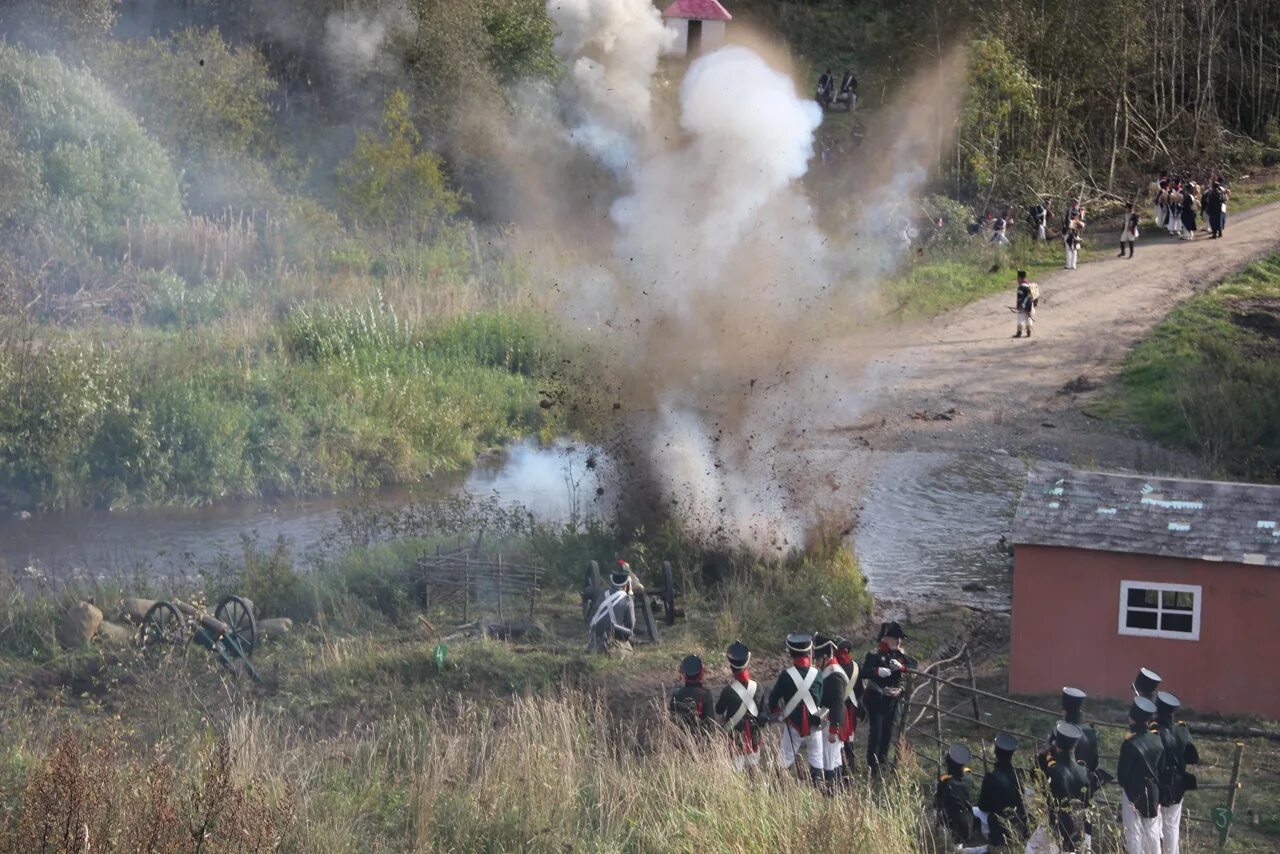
column 364, row 736
column 1208, row 377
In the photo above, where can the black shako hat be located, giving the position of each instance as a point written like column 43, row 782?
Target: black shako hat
column 1146, row 681
column 1072, row 699
column 1167, row 703
column 621, row 573
column 691, row 667
column 1066, row 735
column 799, row 643
column 1005, row 745
column 738, row 655
column 891, row 630
column 844, row 645
column 959, row 756
column 823, row 646
column 1142, row 710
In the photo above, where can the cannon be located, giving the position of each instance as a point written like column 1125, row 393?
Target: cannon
column 648, row 600
column 230, row 633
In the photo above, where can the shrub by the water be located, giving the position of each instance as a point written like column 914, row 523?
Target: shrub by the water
column 95, row 164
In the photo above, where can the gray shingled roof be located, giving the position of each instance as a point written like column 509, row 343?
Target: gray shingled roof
column 1199, row 519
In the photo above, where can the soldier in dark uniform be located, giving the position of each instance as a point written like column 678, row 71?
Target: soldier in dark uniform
column 1141, row 757
column 1000, row 802
column 953, row 799
column 1146, row 684
column 852, row 703
column 692, row 704
column 1068, row 784
column 1179, row 752
column 882, row 687
column 741, row 707
column 794, row 700
column 834, row 683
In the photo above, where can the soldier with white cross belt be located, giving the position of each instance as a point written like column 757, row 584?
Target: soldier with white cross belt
column 794, row 701
column 741, row 707
column 614, row 620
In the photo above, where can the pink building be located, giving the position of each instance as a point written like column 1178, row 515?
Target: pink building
column 699, row 25
column 1117, row 572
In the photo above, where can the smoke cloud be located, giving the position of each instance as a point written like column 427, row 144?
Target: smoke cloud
column 717, row 272
column 354, row 40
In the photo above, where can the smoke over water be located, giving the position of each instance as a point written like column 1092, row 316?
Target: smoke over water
column 717, row 271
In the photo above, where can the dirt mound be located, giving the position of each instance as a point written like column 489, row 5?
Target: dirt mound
column 1258, row 315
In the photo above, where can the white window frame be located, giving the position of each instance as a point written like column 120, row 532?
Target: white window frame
column 1195, row 589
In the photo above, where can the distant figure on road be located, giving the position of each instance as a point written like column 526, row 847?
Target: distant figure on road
column 1025, row 300
column 1189, row 205
column 1215, row 208
column 1039, row 216
column 1129, row 234
column 1072, row 237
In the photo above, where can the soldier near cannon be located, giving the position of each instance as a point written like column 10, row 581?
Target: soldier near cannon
column 613, row 622
column 741, row 707
column 852, row 702
column 795, row 701
column 692, row 704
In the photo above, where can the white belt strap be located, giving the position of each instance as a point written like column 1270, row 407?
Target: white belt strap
column 849, row 686
column 606, row 608
column 747, row 701
column 802, row 695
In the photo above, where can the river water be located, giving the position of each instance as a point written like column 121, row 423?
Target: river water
column 929, row 522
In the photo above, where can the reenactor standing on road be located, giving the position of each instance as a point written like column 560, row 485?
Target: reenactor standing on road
column 1001, row 807
column 953, row 799
column 742, row 708
column 794, row 699
column 1141, row 757
column 692, row 704
column 881, row 673
column 1179, row 752
column 834, row 683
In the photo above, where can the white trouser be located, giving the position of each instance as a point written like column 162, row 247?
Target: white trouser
column 1170, row 827
column 1040, row 233
column 1141, row 835
column 743, row 761
column 832, row 754
column 1026, row 318
column 1073, row 252
column 793, row 744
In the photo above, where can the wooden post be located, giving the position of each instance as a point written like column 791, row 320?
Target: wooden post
column 501, row 618
column 973, row 683
column 533, row 594
column 937, row 715
column 1235, row 786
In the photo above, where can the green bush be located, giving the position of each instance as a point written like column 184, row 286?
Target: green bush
column 97, row 167
column 169, row 301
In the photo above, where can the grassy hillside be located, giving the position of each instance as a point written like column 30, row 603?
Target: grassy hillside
column 1208, row 378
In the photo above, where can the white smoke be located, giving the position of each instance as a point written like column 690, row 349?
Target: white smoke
column 612, row 47
column 717, row 272
column 354, row 39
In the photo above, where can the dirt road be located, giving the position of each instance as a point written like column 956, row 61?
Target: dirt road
column 1006, row 391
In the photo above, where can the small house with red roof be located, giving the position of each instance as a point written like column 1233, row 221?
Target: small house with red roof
column 1115, row 572
column 699, row 26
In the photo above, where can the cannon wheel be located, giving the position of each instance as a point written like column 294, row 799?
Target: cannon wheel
column 163, row 629
column 668, row 594
column 237, row 613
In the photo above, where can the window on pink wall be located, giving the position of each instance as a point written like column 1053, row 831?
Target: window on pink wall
column 1149, row 609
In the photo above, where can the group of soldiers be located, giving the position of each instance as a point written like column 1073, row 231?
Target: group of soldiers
column 1152, row 776
column 1177, row 203
column 817, row 701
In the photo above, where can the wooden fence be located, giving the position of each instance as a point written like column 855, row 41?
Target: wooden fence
column 469, row 583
